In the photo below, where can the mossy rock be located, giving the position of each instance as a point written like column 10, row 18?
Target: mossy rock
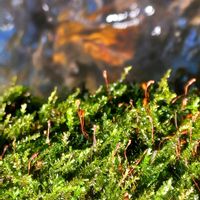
column 123, row 142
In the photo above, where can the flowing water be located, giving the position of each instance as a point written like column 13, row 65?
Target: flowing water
column 47, row 43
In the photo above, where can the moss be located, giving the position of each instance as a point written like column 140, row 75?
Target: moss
column 123, row 142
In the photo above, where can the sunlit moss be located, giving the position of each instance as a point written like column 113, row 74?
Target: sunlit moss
column 135, row 149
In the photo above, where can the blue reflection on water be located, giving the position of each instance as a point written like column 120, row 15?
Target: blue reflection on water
column 182, row 22
column 91, row 6
column 4, row 38
column 191, row 43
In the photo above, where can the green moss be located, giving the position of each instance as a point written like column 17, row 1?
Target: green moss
column 135, row 150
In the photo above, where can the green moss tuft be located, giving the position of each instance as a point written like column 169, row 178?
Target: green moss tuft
column 109, row 145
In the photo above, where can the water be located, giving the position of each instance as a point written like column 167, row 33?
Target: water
column 7, row 29
column 48, row 43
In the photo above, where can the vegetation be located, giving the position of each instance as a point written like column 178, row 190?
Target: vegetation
column 126, row 141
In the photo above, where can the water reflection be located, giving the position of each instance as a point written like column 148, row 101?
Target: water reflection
column 69, row 43
column 130, row 17
column 6, row 21
column 149, row 10
column 156, row 31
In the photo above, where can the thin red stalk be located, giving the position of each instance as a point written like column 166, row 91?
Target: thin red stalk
column 175, row 99
column 32, row 158
column 194, row 118
column 94, row 135
column 139, row 160
column 186, row 87
column 105, row 76
column 115, row 152
column 188, row 84
column 145, row 87
column 4, row 151
column 127, row 173
column 178, row 148
column 81, row 115
column 130, row 170
column 117, row 147
column 166, row 138
column 131, row 102
column 129, row 142
column 190, row 134
column 195, row 150
column 196, row 184
column 184, row 102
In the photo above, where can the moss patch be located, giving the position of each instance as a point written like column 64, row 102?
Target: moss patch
column 123, row 142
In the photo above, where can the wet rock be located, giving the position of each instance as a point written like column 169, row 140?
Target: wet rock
column 70, row 43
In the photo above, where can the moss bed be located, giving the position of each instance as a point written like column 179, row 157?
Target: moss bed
column 126, row 141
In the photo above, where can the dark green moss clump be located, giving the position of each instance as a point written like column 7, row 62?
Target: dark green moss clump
column 123, row 142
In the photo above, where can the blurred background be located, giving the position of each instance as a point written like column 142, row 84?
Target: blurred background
column 68, row 43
